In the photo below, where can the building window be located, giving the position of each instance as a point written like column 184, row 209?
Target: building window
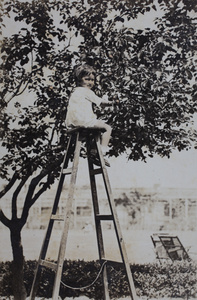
column 84, row 211
column 167, row 210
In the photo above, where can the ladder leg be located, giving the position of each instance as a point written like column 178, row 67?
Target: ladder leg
column 50, row 225
column 100, row 243
column 63, row 242
column 116, row 222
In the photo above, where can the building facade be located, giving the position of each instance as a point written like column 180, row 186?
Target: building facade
column 155, row 209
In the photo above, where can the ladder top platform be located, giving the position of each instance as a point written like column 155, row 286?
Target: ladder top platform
column 85, row 130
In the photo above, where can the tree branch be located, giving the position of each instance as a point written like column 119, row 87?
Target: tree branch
column 4, row 219
column 17, row 89
column 17, row 93
column 30, row 198
column 42, row 190
column 15, row 196
column 9, row 185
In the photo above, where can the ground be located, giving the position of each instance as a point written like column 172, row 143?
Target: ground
column 82, row 245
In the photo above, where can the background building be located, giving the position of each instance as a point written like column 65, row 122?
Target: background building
column 155, row 209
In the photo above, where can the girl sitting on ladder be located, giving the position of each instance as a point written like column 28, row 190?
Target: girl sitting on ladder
column 80, row 112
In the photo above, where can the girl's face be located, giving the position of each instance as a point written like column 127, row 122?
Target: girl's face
column 88, row 81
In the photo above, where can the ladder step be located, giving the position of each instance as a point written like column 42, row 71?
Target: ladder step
column 104, row 217
column 57, row 217
column 112, row 261
column 175, row 249
column 48, row 264
column 96, row 171
column 67, row 171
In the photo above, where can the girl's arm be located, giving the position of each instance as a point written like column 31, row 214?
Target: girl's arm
column 106, row 102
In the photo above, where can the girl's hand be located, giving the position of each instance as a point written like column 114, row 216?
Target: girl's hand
column 105, row 101
column 116, row 99
column 113, row 102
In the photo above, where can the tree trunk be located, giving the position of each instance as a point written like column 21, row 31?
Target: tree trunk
column 18, row 287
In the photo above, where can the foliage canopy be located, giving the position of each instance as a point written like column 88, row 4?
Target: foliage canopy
column 152, row 72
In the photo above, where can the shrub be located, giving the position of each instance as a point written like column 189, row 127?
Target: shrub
column 177, row 279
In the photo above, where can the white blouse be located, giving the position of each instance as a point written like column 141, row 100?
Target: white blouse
column 80, row 112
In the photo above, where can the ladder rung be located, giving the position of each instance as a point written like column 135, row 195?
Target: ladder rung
column 175, row 249
column 96, row 171
column 57, row 217
column 104, row 217
column 112, row 261
column 67, row 171
column 48, row 264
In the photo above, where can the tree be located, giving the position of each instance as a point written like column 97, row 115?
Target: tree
column 133, row 203
column 136, row 202
column 152, row 71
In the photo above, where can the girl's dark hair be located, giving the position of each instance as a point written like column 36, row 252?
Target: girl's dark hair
column 83, row 70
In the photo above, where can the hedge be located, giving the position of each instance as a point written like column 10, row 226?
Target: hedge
column 169, row 279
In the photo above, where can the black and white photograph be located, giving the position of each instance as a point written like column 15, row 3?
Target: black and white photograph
column 98, row 150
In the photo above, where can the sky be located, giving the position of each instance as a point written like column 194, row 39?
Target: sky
column 177, row 172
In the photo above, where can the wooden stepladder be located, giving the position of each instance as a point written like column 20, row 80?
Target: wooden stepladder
column 92, row 138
